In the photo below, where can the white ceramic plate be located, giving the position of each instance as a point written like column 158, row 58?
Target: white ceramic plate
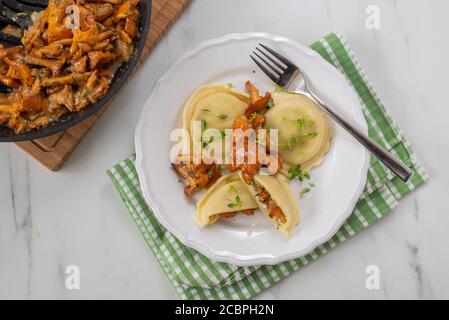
column 247, row 240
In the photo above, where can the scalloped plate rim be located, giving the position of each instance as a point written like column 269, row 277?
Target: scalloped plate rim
column 229, row 256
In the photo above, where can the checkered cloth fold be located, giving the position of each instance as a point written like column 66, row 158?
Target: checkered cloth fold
column 196, row 277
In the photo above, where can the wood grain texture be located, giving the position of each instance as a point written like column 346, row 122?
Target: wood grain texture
column 52, row 151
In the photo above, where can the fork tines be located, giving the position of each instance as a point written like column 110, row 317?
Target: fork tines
column 274, row 65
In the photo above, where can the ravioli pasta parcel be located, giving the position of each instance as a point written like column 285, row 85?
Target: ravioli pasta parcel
column 304, row 134
column 225, row 198
column 291, row 136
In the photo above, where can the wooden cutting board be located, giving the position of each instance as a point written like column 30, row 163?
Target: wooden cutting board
column 52, row 151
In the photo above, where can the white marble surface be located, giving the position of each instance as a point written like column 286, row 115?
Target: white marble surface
column 75, row 217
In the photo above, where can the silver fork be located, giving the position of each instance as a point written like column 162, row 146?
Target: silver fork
column 286, row 74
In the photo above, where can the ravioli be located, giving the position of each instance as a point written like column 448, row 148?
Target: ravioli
column 280, row 195
column 228, row 194
column 215, row 105
column 324, row 149
column 303, row 132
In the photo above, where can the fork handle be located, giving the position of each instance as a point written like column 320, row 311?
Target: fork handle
column 395, row 165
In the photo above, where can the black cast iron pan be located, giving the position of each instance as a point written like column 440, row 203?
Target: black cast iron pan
column 19, row 11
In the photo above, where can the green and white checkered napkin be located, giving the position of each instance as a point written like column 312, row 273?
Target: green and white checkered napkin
column 196, row 277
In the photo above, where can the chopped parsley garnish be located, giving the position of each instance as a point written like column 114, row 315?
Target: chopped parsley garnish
column 223, row 134
column 304, row 192
column 203, row 125
column 210, row 173
column 205, row 143
column 278, row 88
column 203, row 128
column 253, row 116
column 299, row 123
column 270, row 103
column 232, row 188
column 297, row 172
column 304, row 126
column 219, row 116
column 238, row 203
column 291, row 142
column 227, row 180
column 230, row 85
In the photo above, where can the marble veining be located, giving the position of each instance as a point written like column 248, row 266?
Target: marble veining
column 49, row 221
column 416, row 208
column 415, row 264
